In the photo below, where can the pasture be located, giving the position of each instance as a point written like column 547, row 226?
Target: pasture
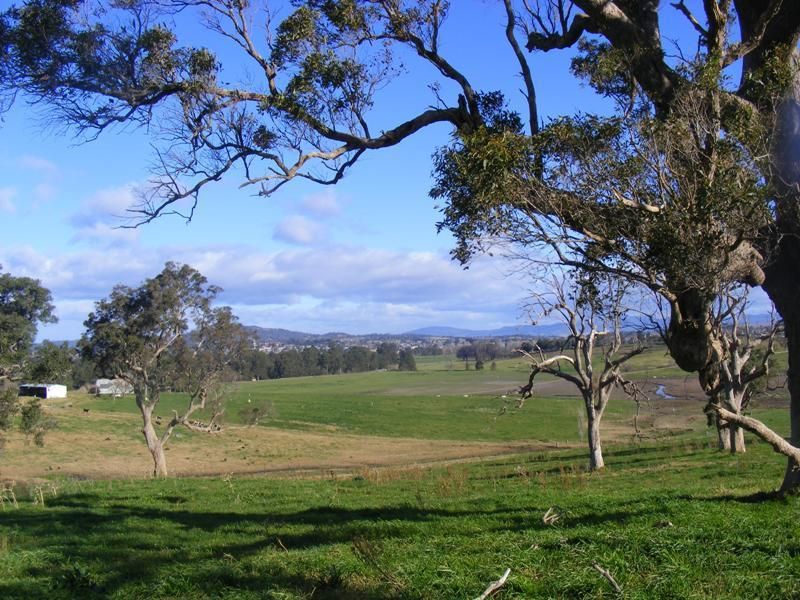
column 426, row 484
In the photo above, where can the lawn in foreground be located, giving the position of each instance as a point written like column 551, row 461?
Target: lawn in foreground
column 665, row 520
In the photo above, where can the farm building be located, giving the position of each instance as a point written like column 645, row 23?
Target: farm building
column 43, row 390
column 112, row 387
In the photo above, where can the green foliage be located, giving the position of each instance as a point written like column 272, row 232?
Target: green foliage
column 607, row 69
column 128, row 332
column 9, row 406
column 51, row 363
column 479, row 179
column 34, row 423
column 24, row 303
column 78, row 579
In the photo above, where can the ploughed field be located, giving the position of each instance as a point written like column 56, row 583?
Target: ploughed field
column 427, row 484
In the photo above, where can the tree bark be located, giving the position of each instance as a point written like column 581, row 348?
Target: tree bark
column 737, row 445
column 723, row 434
column 755, row 426
column 595, row 449
column 791, row 479
column 154, row 444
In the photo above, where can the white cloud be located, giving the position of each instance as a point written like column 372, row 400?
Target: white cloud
column 322, row 205
column 354, row 289
column 7, row 195
column 37, row 163
column 101, row 216
column 299, row 230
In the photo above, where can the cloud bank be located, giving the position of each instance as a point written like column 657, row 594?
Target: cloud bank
column 315, row 289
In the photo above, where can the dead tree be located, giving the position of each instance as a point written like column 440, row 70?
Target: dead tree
column 741, row 362
column 591, row 306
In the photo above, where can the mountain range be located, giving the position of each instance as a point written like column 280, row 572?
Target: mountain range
column 286, row 336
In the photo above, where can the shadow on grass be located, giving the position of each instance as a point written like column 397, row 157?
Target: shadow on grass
column 83, row 540
column 755, row 498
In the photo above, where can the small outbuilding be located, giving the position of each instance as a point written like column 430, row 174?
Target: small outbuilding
column 43, row 390
column 112, row 387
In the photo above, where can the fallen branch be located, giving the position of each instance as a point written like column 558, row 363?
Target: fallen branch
column 494, row 586
column 551, row 517
column 605, row 573
column 778, row 443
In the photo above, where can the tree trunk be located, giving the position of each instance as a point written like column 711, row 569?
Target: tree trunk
column 782, row 283
column 734, row 399
column 723, row 434
column 736, row 440
column 791, row 479
column 690, row 337
column 154, row 444
column 595, row 449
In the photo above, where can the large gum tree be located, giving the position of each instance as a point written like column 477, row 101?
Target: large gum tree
column 303, row 110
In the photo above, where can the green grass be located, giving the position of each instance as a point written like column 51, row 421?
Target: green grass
column 674, row 521
column 439, row 401
column 669, row 518
column 366, row 404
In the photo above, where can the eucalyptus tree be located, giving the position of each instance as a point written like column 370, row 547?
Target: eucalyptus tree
column 302, row 108
column 135, row 333
column 670, row 204
column 24, row 304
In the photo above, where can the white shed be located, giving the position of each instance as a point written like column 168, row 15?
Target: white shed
column 112, row 387
column 43, row 390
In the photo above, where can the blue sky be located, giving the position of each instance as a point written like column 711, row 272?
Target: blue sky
column 363, row 256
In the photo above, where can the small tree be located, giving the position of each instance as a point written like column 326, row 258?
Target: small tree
column 24, row 303
column 131, row 334
column 591, row 305
column 34, row 423
column 406, row 360
column 465, row 353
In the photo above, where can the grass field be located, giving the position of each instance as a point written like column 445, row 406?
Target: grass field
column 671, row 521
column 399, row 485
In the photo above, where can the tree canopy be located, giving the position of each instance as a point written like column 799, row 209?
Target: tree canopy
column 140, row 335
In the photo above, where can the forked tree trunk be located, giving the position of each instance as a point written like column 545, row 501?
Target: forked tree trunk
column 151, row 438
column 593, row 416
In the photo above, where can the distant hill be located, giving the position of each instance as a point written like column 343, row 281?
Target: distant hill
column 555, row 329
column 286, row 336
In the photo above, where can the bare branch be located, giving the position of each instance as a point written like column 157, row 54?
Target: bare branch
column 681, row 6
column 494, row 586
